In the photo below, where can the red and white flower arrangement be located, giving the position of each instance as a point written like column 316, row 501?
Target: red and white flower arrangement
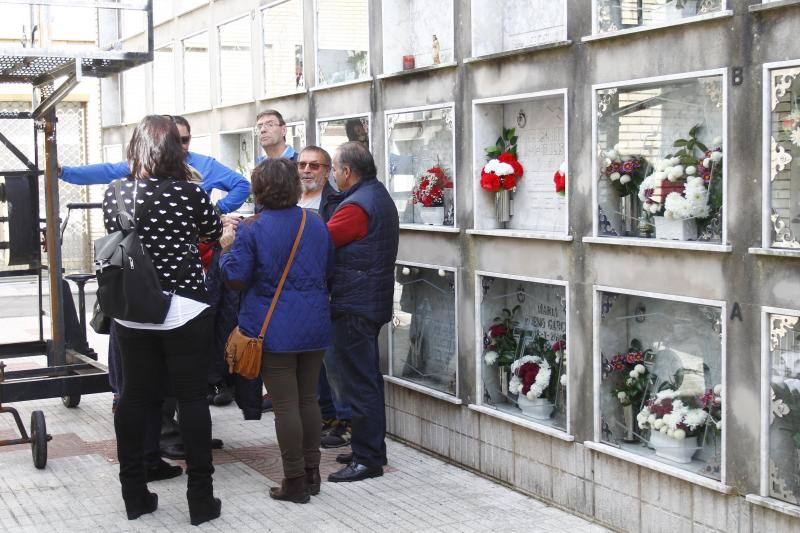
column 503, row 170
column 530, row 376
column 429, row 187
column 675, row 416
column 560, row 179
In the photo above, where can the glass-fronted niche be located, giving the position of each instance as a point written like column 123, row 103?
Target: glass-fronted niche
column 416, row 33
column 615, row 15
column 333, row 132
column 196, row 72
column 536, row 130
column 783, row 448
column 164, row 79
column 504, row 25
column 235, row 61
column 342, row 41
column 660, row 373
column 134, row 103
column 421, row 170
column 784, row 146
column 282, row 39
column 296, row 135
column 523, row 355
column 660, row 160
column 423, row 339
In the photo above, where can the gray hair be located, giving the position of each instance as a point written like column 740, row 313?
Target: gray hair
column 355, row 155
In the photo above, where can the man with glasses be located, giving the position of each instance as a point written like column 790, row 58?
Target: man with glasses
column 215, row 175
column 271, row 131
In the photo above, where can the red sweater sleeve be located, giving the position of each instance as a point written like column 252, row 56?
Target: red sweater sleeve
column 348, row 224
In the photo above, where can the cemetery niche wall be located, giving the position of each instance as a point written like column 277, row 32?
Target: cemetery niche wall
column 660, row 168
column 416, row 34
column 659, row 378
column 535, row 202
column 235, row 65
column 423, row 340
column 505, row 25
column 196, row 73
column 282, row 39
column 616, row 15
column 522, row 335
column 421, row 170
column 342, row 41
column 334, row 131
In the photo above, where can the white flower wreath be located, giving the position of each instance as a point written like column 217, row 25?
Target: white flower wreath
column 540, row 383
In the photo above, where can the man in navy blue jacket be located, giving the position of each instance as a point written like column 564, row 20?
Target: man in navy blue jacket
column 215, row 175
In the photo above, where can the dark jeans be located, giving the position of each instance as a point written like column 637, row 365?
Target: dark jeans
column 145, row 355
column 332, row 407
column 354, row 374
column 291, row 379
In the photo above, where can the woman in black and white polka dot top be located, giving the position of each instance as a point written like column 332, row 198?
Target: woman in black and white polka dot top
column 175, row 352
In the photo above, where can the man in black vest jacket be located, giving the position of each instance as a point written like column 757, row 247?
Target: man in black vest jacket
column 365, row 230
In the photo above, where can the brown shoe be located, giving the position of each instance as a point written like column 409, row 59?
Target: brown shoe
column 313, row 480
column 291, row 490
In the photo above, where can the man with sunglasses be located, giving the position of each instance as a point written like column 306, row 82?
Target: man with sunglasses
column 215, row 175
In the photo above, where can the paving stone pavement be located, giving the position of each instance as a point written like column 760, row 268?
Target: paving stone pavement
column 79, row 490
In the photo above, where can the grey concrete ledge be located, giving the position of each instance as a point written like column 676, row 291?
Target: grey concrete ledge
column 411, row 72
column 639, row 29
column 428, row 227
column 338, row 85
column 283, row 95
column 519, row 51
column 656, row 243
column 198, row 110
column 660, row 467
column 776, row 252
column 521, row 234
column 540, row 428
column 225, row 105
column 772, row 503
column 439, row 395
column 773, row 5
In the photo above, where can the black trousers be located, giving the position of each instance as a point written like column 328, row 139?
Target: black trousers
column 145, row 356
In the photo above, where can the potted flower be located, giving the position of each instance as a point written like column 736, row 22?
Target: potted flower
column 625, row 171
column 675, row 422
column 500, row 349
column 631, row 381
column 530, row 378
column 560, row 179
column 501, row 173
column 428, row 192
column 684, row 188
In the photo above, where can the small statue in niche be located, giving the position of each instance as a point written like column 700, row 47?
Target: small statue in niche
column 436, row 58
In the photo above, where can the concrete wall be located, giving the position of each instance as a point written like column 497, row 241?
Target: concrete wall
column 615, row 492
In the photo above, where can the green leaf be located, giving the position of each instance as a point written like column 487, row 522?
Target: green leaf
column 636, row 345
column 513, row 140
column 702, row 146
column 499, row 141
column 680, row 142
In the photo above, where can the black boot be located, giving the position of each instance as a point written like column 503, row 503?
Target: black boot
column 313, row 480
column 203, row 510
column 136, row 507
column 291, row 490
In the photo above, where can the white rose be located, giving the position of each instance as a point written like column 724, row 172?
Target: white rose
column 670, row 433
column 606, row 162
column 690, row 170
column 679, row 434
column 640, row 368
column 406, row 271
column 624, row 179
column 719, row 424
column 530, row 395
column 706, row 162
column 675, row 161
column 658, row 424
column 663, row 429
column 718, row 389
column 716, row 156
column 564, row 380
column 614, row 176
column 441, row 273
column 630, row 381
column 633, row 373
column 621, row 396
column 654, row 208
column 611, row 154
column 651, row 419
column 667, row 169
column 491, row 357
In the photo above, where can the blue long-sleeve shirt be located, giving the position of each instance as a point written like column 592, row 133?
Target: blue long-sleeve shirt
column 215, row 176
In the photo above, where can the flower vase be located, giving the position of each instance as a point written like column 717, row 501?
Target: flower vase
column 676, row 450
column 503, row 203
column 504, row 377
column 631, row 212
column 491, row 382
column 627, row 413
column 538, row 408
column 684, row 229
column 432, row 216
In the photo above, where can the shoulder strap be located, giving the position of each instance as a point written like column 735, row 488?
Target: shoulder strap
column 283, row 276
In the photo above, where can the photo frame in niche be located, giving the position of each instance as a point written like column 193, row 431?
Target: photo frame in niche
column 659, row 374
column 335, row 131
column 522, row 348
column 342, row 38
column 423, row 334
column 536, row 201
column 612, row 15
column 417, row 33
column 781, row 146
column 660, row 166
column 421, row 171
column 506, row 25
column 282, row 42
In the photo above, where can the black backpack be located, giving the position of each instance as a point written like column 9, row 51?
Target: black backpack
column 127, row 282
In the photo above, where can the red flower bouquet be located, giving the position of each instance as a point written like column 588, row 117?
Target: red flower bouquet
column 429, row 187
column 560, row 180
column 503, row 169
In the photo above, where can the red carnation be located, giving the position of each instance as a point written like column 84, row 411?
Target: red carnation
column 498, row 330
column 490, row 181
column 509, row 181
column 560, row 181
column 528, row 373
column 508, row 157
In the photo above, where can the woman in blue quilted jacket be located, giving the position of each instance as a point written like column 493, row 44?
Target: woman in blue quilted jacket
column 254, row 257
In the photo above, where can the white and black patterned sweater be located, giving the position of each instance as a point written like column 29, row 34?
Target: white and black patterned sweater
column 180, row 217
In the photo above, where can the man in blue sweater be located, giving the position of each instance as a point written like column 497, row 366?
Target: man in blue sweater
column 215, row 175
column 271, row 131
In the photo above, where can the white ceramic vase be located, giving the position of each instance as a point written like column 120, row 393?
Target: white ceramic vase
column 432, row 216
column 676, row 230
column 676, row 450
column 538, row 408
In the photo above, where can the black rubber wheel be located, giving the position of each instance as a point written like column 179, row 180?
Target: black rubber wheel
column 71, row 401
column 38, row 439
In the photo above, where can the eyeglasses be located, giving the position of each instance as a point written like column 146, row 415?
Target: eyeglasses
column 268, row 125
column 186, row 139
column 312, row 166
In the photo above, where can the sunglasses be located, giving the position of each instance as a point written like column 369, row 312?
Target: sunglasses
column 313, row 166
column 186, row 139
